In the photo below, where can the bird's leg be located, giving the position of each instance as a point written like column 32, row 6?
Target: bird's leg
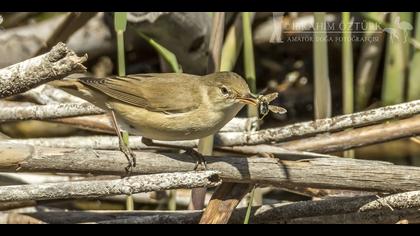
column 200, row 161
column 198, row 157
column 129, row 154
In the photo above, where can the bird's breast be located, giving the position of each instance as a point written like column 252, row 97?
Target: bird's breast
column 193, row 124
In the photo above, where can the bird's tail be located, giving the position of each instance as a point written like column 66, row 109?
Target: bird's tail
column 74, row 87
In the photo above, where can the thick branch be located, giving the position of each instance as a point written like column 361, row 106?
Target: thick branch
column 103, row 123
column 48, row 111
column 340, row 141
column 338, row 210
column 47, row 94
column 32, row 178
column 336, row 206
column 329, row 173
column 396, row 201
column 321, row 125
column 358, row 137
column 80, row 142
column 56, row 64
column 16, row 218
column 403, row 216
column 112, row 143
column 98, row 123
column 74, row 217
column 59, row 112
column 389, row 209
column 4, row 206
column 277, row 134
column 87, row 189
column 321, row 144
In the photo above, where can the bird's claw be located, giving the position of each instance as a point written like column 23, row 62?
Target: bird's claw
column 131, row 158
column 200, row 161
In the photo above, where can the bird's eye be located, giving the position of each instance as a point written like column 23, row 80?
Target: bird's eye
column 224, row 91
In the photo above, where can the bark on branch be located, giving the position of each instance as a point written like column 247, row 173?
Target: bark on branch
column 340, row 141
column 270, row 135
column 59, row 113
column 320, row 126
column 128, row 185
column 338, row 206
column 328, row 173
column 56, row 64
column 335, row 142
column 389, row 209
column 48, row 111
column 358, row 137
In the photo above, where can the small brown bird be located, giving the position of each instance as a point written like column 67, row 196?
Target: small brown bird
column 167, row 106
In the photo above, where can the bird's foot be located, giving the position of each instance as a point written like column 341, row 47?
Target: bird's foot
column 200, row 164
column 200, row 161
column 131, row 158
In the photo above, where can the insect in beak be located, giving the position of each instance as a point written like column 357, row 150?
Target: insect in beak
column 264, row 105
column 249, row 99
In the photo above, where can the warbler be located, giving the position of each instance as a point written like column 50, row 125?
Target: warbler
column 166, row 106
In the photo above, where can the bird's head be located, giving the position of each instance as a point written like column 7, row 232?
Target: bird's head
column 226, row 89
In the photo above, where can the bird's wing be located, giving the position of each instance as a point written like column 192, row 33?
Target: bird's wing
column 154, row 92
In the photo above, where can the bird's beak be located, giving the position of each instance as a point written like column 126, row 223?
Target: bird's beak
column 249, row 99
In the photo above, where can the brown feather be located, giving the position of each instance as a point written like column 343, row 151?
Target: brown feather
column 150, row 91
